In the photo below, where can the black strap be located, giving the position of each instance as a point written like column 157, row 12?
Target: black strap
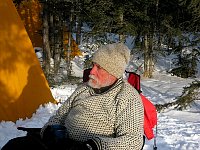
column 155, row 146
column 29, row 129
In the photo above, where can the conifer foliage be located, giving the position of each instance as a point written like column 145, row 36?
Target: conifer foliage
column 151, row 23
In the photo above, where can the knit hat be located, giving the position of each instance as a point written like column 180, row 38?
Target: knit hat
column 113, row 58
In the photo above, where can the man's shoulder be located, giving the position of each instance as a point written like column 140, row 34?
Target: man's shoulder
column 129, row 95
column 128, row 88
column 81, row 87
column 128, row 85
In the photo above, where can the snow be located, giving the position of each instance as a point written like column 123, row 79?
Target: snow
column 177, row 130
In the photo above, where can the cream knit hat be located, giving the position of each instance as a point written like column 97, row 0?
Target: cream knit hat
column 113, row 58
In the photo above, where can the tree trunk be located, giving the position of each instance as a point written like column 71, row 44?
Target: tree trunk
column 46, row 45
column 78, row 24
column 145, row 56
column 69, row 48
column 78, row 31
column 58, row 44
column 121, row 20
column 148, row 56
column 51, row 34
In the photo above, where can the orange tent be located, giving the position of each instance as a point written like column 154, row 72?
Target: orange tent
column 75, row 51
column 23, row 86
column 29, row 11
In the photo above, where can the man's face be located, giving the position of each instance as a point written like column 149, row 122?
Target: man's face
column 99, row 77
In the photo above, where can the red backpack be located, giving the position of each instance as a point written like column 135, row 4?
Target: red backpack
column 150, row 117
column 134, row 80
column 150, row 113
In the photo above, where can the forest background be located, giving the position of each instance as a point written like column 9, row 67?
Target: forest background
column 156, row 28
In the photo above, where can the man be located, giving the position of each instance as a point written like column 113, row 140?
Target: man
column 105, row 113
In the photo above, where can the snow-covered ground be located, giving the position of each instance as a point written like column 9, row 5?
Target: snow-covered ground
column 176, row 129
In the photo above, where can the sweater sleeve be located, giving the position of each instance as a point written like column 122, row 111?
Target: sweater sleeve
column 61, row 113
column 129, row 123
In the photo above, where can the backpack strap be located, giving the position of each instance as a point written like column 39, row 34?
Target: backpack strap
column 154, row 145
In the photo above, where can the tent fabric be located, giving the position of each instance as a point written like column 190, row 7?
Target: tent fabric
column 29, row 12
column 23, row 86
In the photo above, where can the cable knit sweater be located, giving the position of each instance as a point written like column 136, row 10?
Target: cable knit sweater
column 113, row 119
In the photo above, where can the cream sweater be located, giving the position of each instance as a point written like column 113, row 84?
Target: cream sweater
column 113, row 119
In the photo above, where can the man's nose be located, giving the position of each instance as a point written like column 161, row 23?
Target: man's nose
column 93, row 70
